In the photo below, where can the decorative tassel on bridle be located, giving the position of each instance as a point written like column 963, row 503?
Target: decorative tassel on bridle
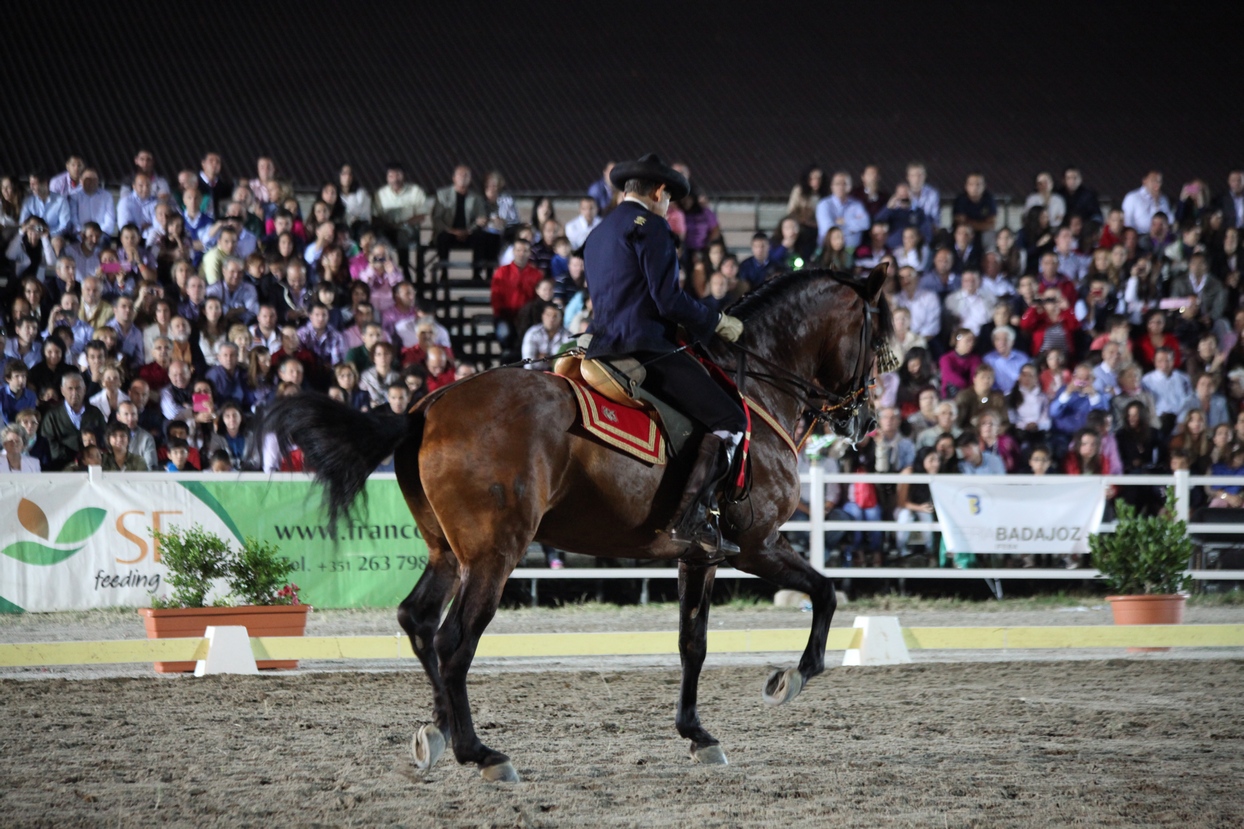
column 887, row 360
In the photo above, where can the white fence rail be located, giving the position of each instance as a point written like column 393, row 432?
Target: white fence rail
column 818, row 524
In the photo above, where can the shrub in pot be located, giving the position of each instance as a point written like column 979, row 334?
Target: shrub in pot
column 1144, row 561
column 260, row 596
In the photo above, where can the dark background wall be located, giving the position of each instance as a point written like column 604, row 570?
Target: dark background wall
column 746, row 94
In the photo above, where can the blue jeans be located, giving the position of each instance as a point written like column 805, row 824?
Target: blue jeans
column 504, row 331
column 907, row 516
column 859, row 513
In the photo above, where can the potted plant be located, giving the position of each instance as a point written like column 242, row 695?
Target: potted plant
column 1144, row 561
column 260, row 596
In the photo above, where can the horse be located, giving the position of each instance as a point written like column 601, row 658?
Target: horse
column 490, row 463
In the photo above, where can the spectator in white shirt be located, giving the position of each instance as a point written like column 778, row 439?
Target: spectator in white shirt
column 1172, row 391
column 138, row 206
column 356, row 199
column 49, row 206
column 926, row 311
column 1028, row 408
column 1044, row 196
column 1141, row 204
column 399, row 209
column 92, row 204
column 69, row 183
column 914, row 253
column 839, row 209
column 993, row 280
column 580, row 226
column 14, row 457
column 972, row 305
column 543, row 341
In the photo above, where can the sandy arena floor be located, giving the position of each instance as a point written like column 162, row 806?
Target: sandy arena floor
column 1101, row 740
column 1103, row 743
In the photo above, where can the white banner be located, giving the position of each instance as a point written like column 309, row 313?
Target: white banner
column 1018, row 517
column 68, row 542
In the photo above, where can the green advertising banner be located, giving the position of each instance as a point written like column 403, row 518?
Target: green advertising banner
column 373, row 561
column 78, row 541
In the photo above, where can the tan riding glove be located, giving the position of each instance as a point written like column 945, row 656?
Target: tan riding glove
column 730, row 328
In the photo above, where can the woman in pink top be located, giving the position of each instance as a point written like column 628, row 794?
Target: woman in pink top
column 381, row 274
column 358, row 262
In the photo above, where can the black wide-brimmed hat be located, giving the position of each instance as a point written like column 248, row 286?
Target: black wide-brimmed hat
column 650, row 168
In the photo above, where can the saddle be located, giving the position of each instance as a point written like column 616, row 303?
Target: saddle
column 618, row 381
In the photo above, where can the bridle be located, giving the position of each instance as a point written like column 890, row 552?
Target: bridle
column 841, row 411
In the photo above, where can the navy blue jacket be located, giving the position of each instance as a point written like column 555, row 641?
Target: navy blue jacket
column 631, row 268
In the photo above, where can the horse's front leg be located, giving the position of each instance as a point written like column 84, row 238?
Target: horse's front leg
column 695, row 591
column 776, row 562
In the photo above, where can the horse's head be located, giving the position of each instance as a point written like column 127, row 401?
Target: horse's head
column 856, row 340
column 817, row 336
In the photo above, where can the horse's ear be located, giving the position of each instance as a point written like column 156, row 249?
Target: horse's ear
column 872, row 289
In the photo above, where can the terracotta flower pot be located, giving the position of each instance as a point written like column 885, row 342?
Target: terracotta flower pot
column 192, row 622
column 1160, row 609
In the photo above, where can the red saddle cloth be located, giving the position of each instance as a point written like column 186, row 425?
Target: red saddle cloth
column 633, row 431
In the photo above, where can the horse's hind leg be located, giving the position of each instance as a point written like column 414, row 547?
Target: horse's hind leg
column 776, row 562
column 479, row 592
column 695, row 591
column 420, row 615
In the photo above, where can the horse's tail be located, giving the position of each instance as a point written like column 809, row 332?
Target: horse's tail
column 340, row 445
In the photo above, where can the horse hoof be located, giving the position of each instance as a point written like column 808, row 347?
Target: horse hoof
column 783, row 686
column 427, row 746
column 709, row 756
column 500, row 773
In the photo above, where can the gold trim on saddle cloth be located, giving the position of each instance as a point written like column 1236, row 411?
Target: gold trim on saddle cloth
column 596, row 420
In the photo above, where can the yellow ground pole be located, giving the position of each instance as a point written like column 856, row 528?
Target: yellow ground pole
column 621, row 644
column 1076, row 636
column 99, row 653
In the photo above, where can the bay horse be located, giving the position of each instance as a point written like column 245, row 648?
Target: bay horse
column 491, row 463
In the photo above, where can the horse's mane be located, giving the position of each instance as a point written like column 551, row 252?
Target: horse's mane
column 775, row 291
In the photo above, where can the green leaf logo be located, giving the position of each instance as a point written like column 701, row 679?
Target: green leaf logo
column 32, row 552
column 80, row 525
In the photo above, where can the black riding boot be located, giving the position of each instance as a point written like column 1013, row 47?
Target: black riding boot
column 697, row 525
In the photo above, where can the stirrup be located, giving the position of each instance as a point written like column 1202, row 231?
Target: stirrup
column 705, row 536
column 721, row 544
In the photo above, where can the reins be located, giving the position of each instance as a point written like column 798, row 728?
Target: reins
column 810, row 391
column 782, row 379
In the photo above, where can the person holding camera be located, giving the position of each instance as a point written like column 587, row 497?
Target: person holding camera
column 1051, row 323
column 1069, row 410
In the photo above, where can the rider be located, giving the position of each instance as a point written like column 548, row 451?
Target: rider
column 632, row 276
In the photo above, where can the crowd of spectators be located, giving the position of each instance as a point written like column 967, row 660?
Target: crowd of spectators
column 1098, row 339
column 147, row 331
